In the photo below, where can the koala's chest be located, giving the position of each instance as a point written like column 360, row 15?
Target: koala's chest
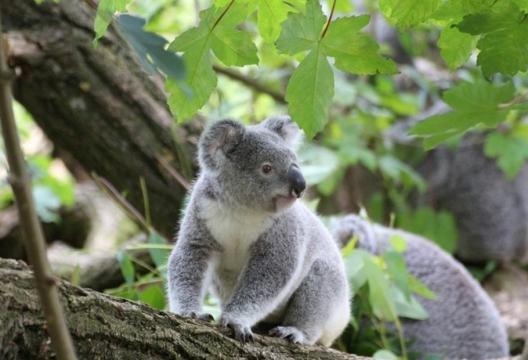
column 235, row 232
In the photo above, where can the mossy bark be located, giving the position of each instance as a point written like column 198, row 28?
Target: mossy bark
column 105, row 327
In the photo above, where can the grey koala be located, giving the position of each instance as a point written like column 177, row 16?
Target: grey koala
column 244, row 236
column 463, row 321
column 491, row 210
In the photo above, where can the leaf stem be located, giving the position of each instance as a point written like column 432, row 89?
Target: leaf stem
column 222, row 14
column 327, row 25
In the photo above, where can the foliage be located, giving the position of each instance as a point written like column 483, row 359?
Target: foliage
column 52, row 186
column 383, row 291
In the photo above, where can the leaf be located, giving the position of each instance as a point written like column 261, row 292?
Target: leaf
column 398, row 243
column 455, row 46
column 158, row 256
column 127, row 268
column 397, row 270
column 473, row 104
column 271, row 14
column 154, row 296
column 407, row 306
column 217, row 33
column 406, row 13
column 419, row 288
column 105, row 12
column 503, row 47
column 511, row 152
column 301, row 32
column 150, row 48
column 355, row 52
column 47, row 203
column 379, row 292
column 310, row 92
column 384, row 355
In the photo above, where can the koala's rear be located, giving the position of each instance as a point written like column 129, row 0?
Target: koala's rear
column 244, row 236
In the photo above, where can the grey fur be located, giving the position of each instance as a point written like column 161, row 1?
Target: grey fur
column 243, row 236
column 491, row 211
column 464, row 323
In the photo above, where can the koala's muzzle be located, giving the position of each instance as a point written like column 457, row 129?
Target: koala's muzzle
column 297, row 182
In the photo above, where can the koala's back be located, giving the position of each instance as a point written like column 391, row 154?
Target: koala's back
column 463, row 321
column 491, row 211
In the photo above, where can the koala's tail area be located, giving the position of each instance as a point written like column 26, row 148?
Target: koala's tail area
column 349, row 227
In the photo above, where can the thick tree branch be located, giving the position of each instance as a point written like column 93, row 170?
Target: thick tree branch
column 104, row 327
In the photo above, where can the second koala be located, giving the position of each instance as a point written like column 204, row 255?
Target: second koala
column 244, row 236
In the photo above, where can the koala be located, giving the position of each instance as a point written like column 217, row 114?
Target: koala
column 491, row 210
column 463, row 321
column 246, row 238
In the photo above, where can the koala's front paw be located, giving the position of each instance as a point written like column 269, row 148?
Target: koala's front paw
column 289, row 333
column 241, row 332
column 196, row 315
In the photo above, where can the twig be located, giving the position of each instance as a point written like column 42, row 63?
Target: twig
column 173, row 172
column 46, row 282
column 252, row 83
column 111, row 191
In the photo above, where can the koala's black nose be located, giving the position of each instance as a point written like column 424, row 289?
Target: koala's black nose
column 298, row 184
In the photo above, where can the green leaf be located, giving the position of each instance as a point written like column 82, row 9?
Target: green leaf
column 355, row 52
column 419, row 288
column 511, row 152
column 154, row 296
column 455, row 10
column 310, row 92
column 47, row 203
column 406, row 13
column 398, row 243
column 379, row 292
column 216, row 32
column 271, row 14
column 301, row 32
column 158, row 256
column 455, row 46
column 397, row 270
column 150, row 48
column 503, row 47
column 473, row 104
column 407, row 306
column 127, row 268
column 105, row 12
column 384, row 355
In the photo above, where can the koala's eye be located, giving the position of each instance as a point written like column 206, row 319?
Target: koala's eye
column 266, row 168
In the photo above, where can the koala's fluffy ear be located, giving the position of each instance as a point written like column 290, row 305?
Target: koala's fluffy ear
column 216, row 141
column 285, row 127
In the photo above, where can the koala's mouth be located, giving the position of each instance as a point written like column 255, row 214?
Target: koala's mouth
column 284, row 201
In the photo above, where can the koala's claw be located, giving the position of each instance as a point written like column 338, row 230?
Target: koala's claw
column 290, row 333
column 240, row 332
column 199, row 316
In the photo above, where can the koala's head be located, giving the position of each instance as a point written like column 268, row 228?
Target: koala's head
column 255, row 166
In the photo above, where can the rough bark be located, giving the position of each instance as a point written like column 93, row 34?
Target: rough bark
column 97, row 103
column 104, row 327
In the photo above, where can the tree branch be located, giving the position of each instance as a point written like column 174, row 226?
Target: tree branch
column 31, row 229
column 104, row 327
column 252, row 83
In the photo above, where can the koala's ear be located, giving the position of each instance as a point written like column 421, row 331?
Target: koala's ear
column 285, row 127
column 217, row 140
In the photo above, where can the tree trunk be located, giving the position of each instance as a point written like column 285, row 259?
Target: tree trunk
column 97, row 104
column 104, row 327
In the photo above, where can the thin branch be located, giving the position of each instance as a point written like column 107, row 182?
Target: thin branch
column 173, row 172
column 131, row 211
column 252, row 83
column 327, row 25
column 34, row 242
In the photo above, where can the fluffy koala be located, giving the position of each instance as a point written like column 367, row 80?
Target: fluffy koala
column 491, row 210
column 463, row 322
column 244, row 236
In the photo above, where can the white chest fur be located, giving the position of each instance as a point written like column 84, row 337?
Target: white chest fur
column 234, row 230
